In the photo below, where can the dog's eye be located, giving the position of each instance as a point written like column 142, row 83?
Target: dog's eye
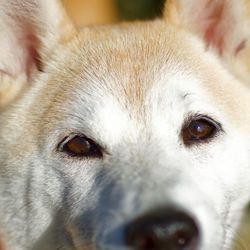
column 80, row 146
column 199, row 129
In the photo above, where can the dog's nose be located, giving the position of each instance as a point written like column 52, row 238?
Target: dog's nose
column 163, row 229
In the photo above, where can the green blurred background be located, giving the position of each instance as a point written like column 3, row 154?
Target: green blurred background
column 91, row 12
column 139, row 9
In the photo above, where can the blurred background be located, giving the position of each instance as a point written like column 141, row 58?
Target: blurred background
column 139, row 9
column 88, row 12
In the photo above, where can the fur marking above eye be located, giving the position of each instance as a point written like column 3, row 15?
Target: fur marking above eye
column 240, row 47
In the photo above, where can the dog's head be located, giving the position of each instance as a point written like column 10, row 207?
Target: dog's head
column 133, row 136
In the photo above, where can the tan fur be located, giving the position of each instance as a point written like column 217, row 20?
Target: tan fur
column 46, row 106
column 82, row 12
column 41, row 107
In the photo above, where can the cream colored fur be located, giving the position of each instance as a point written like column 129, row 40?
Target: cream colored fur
column 130, row 88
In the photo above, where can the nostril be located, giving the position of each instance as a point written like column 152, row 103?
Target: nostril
column 163, row 229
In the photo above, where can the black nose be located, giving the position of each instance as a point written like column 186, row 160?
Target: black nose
column 164, row 229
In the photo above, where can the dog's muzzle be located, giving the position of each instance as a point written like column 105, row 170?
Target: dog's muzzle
column 163, row 229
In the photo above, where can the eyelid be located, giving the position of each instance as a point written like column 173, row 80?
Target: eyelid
column 64, row 141
column 195, row 117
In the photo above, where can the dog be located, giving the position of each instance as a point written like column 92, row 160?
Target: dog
column 132, row 136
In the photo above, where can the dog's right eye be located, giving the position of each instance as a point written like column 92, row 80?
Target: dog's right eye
column 80, row 146
column 199, row 129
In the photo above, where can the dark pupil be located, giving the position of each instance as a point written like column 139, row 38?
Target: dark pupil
column 200, row 129
column 78, row 146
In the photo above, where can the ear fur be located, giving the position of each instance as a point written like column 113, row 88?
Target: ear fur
column 29, row 30
column 223, row 25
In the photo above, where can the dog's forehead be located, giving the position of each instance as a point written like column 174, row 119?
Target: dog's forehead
column 119, row 71
column 128, row 62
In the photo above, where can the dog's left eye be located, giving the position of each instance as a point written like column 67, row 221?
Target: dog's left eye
column 199, row 129
column 80, row 146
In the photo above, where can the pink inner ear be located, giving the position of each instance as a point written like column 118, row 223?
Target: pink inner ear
column 25, row 41
column 210, row 20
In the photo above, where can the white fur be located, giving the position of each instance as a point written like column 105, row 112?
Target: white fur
column 132, row 97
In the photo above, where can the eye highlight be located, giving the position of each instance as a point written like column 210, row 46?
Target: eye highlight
column 199, row 129
column 80, row 146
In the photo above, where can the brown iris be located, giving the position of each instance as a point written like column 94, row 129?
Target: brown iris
column 80, row 146
column 199, row 130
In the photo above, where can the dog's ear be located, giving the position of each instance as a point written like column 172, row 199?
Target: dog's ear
column 222, row 24
column 29, row 31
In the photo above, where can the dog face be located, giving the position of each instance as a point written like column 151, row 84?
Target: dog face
column 129, row 137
